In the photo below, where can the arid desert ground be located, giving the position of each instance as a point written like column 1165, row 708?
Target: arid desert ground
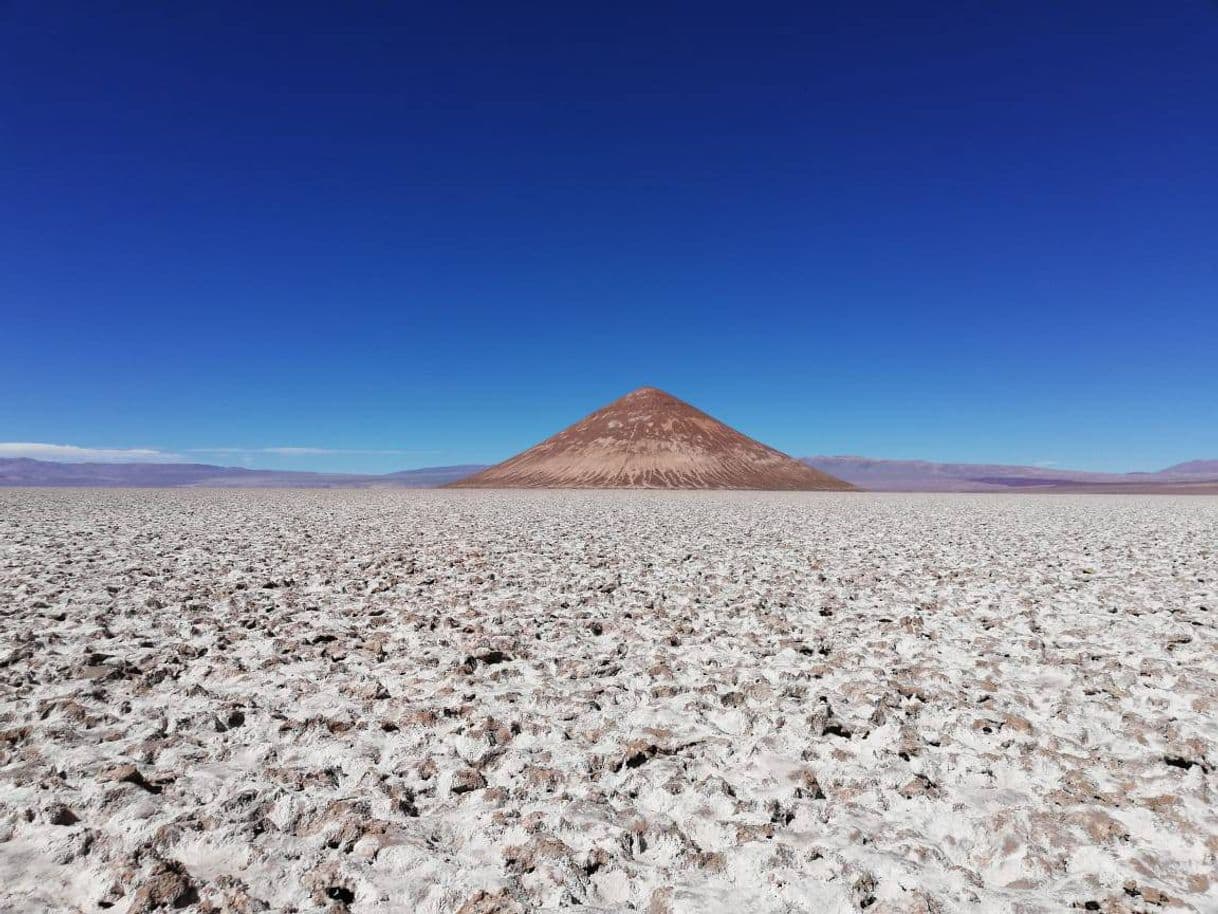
column 496, row 701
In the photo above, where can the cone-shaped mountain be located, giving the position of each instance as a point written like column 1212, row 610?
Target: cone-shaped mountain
column 651, row 440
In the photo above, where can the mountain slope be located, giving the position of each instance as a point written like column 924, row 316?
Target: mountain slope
column 649, row 439
column 433, row 477
column 1192, row 469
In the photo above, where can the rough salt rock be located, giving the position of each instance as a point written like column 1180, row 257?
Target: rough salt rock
column 467, row 779
column 511, row 701
column 498, row 902
column 166, row 886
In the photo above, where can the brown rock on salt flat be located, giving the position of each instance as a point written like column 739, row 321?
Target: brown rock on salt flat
column 649, row 439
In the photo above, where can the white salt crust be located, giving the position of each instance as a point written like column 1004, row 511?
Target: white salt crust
column 497, row 701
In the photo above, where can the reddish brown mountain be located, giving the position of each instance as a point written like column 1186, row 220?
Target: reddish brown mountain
column 651, row 440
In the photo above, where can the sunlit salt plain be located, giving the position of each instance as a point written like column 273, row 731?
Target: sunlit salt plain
column 661, row 702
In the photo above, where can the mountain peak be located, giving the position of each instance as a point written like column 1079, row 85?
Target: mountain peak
column 647, row 395
column 650, row 439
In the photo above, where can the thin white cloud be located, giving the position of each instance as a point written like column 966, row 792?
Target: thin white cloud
column 70, row 453
column 311, row 451
column 302, row 451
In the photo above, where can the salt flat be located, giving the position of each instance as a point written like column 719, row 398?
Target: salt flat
column 662, row 702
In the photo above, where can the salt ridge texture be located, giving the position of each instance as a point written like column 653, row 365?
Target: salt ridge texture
column 635, row 701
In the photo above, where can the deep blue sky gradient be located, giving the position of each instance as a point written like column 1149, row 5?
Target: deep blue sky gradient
column 952, row 230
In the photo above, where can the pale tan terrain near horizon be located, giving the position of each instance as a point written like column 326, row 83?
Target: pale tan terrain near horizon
column 490, row 701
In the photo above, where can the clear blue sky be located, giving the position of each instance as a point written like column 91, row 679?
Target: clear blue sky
column 951, row 230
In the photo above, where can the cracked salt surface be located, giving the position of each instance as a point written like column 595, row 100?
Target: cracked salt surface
column 664, row 702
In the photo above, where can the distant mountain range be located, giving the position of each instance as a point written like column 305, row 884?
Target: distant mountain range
column 925, row 476
column 22, row 471
column 1199, row 476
